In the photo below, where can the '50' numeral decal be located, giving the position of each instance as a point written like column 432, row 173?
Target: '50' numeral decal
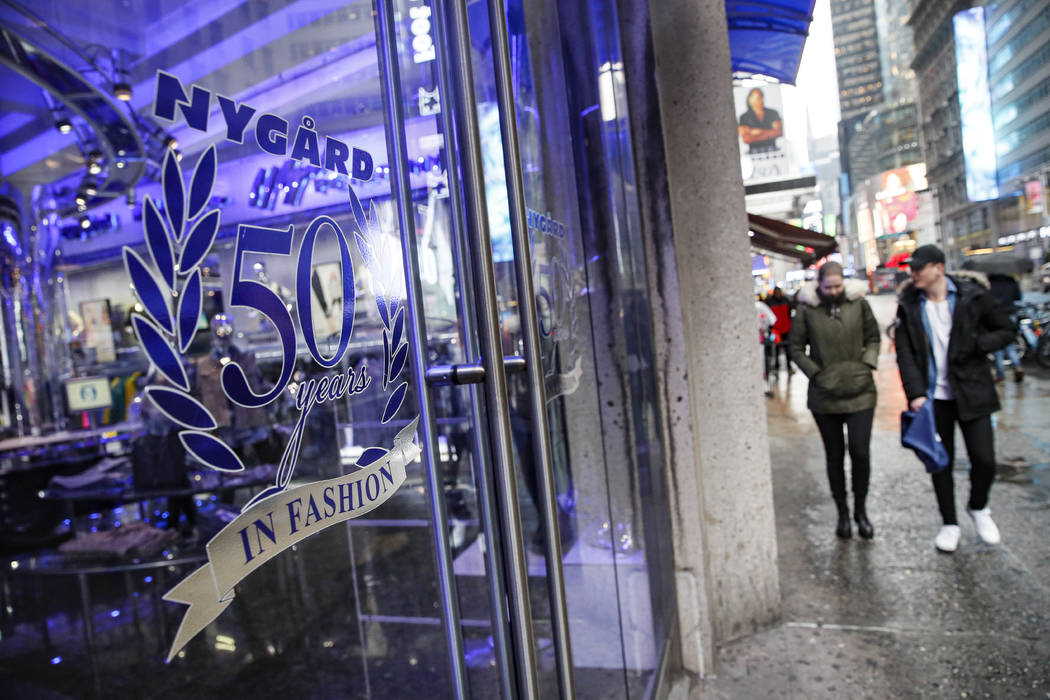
column 252, row 294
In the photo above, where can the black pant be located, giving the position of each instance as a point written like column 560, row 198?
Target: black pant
column 858, row 427
column 980, row 446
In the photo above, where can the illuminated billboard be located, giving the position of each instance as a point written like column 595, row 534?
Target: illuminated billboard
column 1033, row 195
column 975, row 105
column 895, row 202
column 892, row 212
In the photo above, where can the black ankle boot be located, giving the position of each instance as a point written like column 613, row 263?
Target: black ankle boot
column 860, row 515
column 843, row 529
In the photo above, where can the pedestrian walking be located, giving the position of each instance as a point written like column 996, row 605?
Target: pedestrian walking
column 766, row 317
column 766, row 320
column 946, row 326
column 834, row 320
column 781, row 306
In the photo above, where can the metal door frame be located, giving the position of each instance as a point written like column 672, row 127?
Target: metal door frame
column 498, row 492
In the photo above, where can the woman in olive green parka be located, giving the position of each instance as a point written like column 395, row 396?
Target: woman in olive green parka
column 834, row 320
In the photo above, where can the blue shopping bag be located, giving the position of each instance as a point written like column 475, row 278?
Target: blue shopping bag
column 919, row 433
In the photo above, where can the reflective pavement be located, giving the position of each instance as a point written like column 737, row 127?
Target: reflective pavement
column 893, row 617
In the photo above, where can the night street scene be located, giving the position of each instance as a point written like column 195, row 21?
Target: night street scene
column 598, row 349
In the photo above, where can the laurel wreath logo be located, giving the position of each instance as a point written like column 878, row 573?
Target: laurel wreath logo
column 388, row 286
column 170, row 292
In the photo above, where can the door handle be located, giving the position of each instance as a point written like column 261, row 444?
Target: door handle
column 469, row 373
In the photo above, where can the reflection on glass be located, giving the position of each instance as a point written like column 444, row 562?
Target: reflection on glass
column 593, row 312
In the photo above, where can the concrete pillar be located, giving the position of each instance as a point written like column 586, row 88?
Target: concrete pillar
column 705, row 323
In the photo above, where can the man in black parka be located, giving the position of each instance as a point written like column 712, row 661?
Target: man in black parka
column 946, row 326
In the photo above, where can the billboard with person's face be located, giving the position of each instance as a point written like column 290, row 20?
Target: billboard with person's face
column 760, row 128
column 760, row 124
column 896, row 201
column 772, row 131
column 1033, row 195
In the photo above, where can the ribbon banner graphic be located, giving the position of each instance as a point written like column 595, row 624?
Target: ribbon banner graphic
column 275, row 524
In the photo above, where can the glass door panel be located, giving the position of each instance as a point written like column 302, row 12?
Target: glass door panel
column 590, row 295
column 432, row 220
column 569, row 364
column 631, row 431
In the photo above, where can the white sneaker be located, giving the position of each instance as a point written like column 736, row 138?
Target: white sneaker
column 986, row 529
column 948, row 538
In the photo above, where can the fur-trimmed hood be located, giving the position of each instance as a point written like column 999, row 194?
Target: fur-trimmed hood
column 854, row 290
column 978, row 278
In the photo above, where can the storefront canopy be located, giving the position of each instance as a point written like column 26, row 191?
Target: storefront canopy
column 766, row 36
column 784, row 239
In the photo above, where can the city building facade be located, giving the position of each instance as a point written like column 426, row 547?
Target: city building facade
column 885, row 139
column 859, row 70
column 962, row 223
column 1018, row 40
column 1004, row 48
column 879, row 135
column 857, row 55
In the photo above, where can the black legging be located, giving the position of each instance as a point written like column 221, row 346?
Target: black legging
column 858, row 426
column 980, row 446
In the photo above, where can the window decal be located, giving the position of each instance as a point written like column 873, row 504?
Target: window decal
column 167, row 282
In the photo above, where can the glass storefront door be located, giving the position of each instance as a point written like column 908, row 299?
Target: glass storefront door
column 326, row 354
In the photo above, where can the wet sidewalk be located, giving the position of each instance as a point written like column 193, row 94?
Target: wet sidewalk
column 894, row 618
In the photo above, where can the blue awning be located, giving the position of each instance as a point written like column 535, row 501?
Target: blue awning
column 766, row 36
